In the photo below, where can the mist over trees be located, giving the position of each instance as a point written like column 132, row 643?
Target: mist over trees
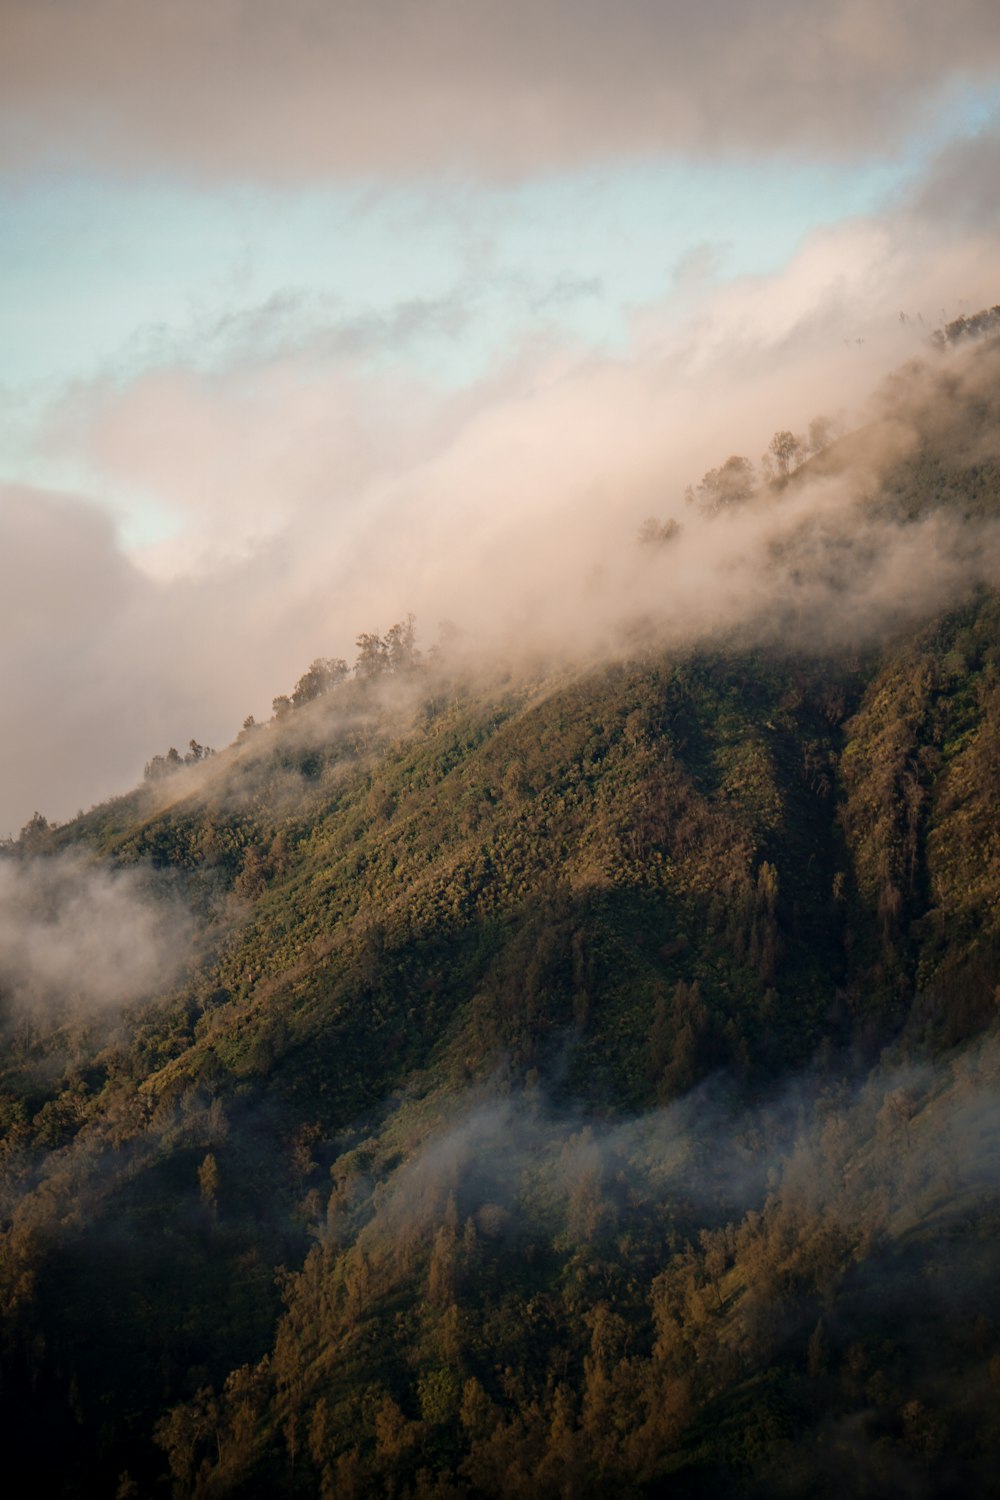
column 735, row 482
column 165, row 765
column 393, row 655
column 542, row 1080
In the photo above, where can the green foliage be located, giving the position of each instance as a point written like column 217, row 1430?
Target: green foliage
column 464, row 1160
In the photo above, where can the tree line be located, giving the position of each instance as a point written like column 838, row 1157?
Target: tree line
column 379, row 657
column 736, row 481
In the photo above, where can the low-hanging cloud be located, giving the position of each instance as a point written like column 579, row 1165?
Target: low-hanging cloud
column 306, row 89
column 77, row 937
column 315, row 494
column 314, row 498
column 869, row 1152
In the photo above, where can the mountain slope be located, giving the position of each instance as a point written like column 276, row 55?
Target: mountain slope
column 522, row 1117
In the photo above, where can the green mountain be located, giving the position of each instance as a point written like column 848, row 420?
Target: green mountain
column 552, row 1080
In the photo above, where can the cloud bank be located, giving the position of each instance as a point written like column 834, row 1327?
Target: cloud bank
column 317, row 498
column 306, row 88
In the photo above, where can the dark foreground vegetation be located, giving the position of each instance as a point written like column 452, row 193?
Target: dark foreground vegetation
column 578, row 1083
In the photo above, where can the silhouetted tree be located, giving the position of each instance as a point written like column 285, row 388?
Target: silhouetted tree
column 373, row 656
column 324, row 673
column 782, row 452
column 733, row 483
column 400, row 646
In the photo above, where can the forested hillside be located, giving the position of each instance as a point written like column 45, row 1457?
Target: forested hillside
column 546, row 1077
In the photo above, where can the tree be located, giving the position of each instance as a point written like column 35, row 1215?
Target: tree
column 163, row 765
column 36, row 833
column 442, row 1269
column 440, row 1396
column 208, row 1183
column 291, row 1434
column 373, row 656
column 323, row 675
column 254, row 874
column 732, row 484
column 184, row 1432
column 817, row 1352
column 394, row 1435
column 822, row 432
column 320, row 1429
column 654, row 533
column 400, row 646
column 782, row 452
column 397, row 652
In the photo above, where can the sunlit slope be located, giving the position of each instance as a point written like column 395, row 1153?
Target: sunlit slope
column 455, row 937
column 525, row 881
column 587, row 898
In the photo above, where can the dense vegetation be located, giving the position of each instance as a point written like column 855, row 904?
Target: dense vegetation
column 581, row 1081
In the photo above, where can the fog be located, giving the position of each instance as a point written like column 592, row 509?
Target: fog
column 907, row 1140
column 77, row 937
column 847, row 1200
column 510, row 509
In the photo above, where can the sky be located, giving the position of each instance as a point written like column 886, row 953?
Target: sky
column 314, row 313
